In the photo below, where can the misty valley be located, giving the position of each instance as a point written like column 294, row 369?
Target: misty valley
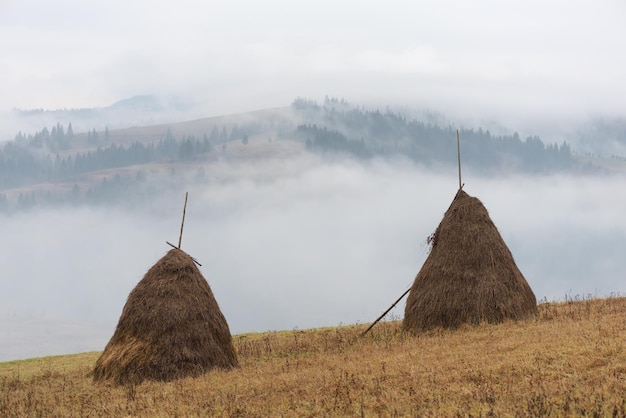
column 325, row 204
column 58, row 166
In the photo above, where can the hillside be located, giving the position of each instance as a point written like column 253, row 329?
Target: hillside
column 570, row 361
column 60, row 165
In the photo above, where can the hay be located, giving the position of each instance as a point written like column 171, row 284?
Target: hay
column 170, row 327
column 469, row 276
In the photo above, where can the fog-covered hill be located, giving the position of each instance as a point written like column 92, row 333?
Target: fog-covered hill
column 62, row 164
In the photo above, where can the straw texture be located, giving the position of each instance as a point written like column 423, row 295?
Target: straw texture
column 470, row 275
column 170, row 327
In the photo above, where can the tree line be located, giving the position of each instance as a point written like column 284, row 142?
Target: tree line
column 339, row 127
column 19, row 166
column 132, row 190
column 336, row 126
column 46, row 155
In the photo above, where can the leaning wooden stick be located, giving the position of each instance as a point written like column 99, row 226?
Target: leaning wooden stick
column 385, row 313
column 180, row 237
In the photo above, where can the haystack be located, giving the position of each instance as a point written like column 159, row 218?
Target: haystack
column 469, row 276
column 170, row 327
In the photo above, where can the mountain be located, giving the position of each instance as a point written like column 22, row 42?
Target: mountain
column 137, row 110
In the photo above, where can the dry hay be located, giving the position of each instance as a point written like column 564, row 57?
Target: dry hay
column 170, row 327
column 469, row 276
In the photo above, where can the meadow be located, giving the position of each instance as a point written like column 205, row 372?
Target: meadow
column 569, row 361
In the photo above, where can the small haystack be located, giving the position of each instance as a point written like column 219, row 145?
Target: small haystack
column 469, row 276
column 170, row 327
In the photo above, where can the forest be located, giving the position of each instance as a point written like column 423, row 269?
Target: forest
column 58, row 155
column 340, row 127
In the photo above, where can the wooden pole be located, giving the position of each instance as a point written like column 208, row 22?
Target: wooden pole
column 182, row 225
column 458, row 154
column 385, row 313
column 180, row 237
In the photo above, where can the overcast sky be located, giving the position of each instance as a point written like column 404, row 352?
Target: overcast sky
column 514, row 59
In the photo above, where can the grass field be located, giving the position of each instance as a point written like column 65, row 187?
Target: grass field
column 570, row 361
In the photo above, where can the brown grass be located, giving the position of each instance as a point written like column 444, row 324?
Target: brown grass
column 470, row 275
column 569, row 361
column 170, row 327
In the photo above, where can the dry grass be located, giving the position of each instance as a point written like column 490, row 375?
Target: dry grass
column 569, row 361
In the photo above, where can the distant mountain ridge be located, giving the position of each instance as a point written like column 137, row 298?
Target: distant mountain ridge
column 147, row 101
column 137, row 110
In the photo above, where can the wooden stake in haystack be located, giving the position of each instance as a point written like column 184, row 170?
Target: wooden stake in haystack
column 182, row 225
column 470, row 275
column 458, row 154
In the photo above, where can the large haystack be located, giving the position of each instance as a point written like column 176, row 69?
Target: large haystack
column 170, row 327
column 469, row 276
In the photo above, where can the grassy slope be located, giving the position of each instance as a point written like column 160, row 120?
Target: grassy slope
column 570, row 361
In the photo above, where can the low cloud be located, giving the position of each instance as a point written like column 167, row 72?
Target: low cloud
column 294, row 244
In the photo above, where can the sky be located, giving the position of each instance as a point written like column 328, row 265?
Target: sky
column 514, row 61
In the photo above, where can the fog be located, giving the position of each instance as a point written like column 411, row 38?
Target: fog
column 518, row 63
column 304, row 242
column 294, row 243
